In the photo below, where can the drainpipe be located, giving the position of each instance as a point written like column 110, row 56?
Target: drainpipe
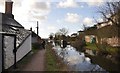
column 37, row 28
column 14, row 51
column 2, row 53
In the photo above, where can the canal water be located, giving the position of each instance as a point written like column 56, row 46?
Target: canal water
column 76, row 60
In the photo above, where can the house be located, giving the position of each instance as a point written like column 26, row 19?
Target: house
column 74, row 35
column 16, row 40
column 80, row 32
column 104, row 33
column 103, row 24
column 35, row 38
column 109, row 34
column 90, row 34
column 89, row 38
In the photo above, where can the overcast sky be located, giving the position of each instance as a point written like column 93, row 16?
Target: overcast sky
column 55, row 14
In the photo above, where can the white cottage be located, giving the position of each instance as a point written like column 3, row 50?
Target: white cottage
column 11, row 29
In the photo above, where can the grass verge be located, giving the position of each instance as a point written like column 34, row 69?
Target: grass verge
column 91, row 46
column 53, row 62
column 109, row 49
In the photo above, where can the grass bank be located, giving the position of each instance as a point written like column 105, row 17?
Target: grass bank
column 109, row 62
column 108, row 49
column 53, row 63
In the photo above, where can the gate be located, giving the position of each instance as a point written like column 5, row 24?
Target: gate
column 8, row 51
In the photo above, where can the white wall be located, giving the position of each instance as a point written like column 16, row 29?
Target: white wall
column 8, row 51
column 24, row 49
column 21, row 52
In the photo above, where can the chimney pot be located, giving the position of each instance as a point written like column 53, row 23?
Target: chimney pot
column 31, row 29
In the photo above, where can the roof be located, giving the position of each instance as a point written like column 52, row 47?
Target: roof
column 10, row 21
column 35, row 35
column 74, row 35
column 11, row 26
column 80, row 31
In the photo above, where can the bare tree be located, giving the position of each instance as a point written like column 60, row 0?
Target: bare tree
column 63, row 31
column 51, row 36
column 111, row 12
column 84, row 27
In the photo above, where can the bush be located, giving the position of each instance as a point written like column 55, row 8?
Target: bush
column 36, row 46
column 79, row 44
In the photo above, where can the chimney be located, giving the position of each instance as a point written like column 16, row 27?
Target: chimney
column 8, row 8
column 31, row 29
column 37, row 28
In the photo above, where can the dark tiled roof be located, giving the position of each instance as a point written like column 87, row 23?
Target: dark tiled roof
column 74, row 34
column 35, row 35
column 9, row 21
column 11, row 26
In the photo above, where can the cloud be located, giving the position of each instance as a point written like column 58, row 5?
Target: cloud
column 16, row 2
column 88, row 21
column 32, row 10
column 95, row 2
column 51, row 28
column 72, row 18
column 58, row 20
column 25, row 10
column 67, row 4
column 8, row 0
column 42, row 5
column 1, row 9
column 100, row 20
column 2, row 2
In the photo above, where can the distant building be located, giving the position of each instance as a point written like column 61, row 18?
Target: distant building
column 80, row 32
column 36, row 38
column 74, row 35
column 23, row 38
column 104, row 32
column 103, row 24
column 90, row 33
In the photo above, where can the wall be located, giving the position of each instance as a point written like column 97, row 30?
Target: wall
column 114, row 41
column 34, row 39
column 21, row 52
column 8, row 51
column 88, row 38
column 24, row 48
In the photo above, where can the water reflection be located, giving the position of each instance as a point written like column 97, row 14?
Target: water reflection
column 76, row 60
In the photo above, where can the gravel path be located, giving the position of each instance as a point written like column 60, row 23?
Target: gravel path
column 37, row 62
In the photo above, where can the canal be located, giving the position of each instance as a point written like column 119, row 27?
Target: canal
column 104, row 63
column 77, row 61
